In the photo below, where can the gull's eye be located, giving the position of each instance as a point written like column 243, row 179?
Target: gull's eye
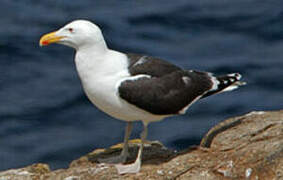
column 71, row 30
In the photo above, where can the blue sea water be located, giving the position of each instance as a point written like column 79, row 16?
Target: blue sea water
column 44, row 114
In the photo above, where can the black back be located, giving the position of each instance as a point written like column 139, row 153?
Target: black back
column 151, row 66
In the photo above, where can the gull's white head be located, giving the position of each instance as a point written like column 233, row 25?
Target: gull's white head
column 77, row 34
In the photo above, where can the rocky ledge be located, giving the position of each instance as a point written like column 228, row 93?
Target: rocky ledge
column 245, row 147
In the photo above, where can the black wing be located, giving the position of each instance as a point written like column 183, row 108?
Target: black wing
column 166, row 94
column 169, row 89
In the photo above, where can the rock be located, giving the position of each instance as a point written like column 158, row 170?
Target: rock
column 245, row 147
column 30, row 172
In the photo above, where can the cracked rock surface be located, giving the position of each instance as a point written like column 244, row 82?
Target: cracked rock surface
column 245, row 147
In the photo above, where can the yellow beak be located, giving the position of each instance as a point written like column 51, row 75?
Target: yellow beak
column 49, row 39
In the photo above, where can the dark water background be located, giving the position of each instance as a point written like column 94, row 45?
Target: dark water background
column 44, row 114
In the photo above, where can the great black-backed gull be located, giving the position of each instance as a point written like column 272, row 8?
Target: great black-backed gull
column 133, row 87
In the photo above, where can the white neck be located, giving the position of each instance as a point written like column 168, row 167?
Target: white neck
column 90, row 60
column 98, row 47
column 99, row 62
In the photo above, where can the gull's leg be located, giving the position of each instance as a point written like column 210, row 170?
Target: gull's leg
column 123, row 156
column 125, row 152
column 134, row 167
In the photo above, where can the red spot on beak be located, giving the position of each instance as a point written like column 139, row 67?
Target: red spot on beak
column 45, row 43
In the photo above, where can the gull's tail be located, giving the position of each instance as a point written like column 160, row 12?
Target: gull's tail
column 224, row 83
